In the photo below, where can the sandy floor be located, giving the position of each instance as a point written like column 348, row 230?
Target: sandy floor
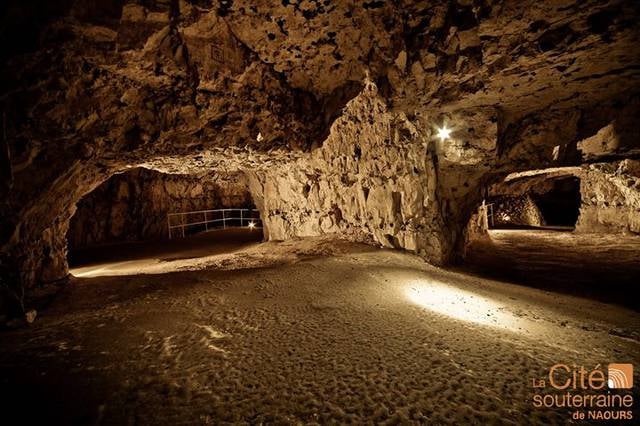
column 157, row 257
column 601, row 266
column 303, row 332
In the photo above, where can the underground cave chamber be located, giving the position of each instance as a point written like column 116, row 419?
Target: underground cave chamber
column 145, row 214
column 449, row 194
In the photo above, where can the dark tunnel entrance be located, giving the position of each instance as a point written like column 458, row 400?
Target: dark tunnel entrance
column 541, row 202
column 142, row 220
column 560, row 206
column 534, row 229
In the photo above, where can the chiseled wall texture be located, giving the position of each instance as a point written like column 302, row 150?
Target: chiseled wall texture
column 134, row 205
column 373, row 177
column 610, row 198
column 520, row 210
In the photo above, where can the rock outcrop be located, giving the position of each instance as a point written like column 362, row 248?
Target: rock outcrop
column 610, row 198
column 374, row 175
column 515, row 211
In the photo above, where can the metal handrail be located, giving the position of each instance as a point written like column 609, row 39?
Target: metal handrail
column 489, row 214
column 251, row 220
column 212, row 210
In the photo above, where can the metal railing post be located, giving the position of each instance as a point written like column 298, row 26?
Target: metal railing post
column 182, row 217
column 224, row 221
column 489, row 215
column 206, row 224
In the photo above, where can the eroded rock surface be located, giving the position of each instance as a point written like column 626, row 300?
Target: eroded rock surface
column 373, row 175
column 508, row 211
column 610, row 198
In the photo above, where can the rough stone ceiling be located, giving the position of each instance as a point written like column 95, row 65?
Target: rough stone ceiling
column 519, row 56
column 186, row 85
column 538, row 54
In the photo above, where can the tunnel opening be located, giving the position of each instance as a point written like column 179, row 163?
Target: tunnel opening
column 539, row 201
column 560, row 206
column 143, row 220
column 535, row 228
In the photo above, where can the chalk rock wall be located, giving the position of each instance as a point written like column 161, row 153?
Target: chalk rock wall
column 522, row 210
column 618, row 138
column 373, row 177
column 134, row 205
column 610, row 197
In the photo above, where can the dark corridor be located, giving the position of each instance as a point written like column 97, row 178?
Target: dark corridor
column 561, row 205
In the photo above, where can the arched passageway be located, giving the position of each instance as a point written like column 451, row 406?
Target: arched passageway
column 549, row 201
column 141, row 221
column 538, row 228
column 560, row 205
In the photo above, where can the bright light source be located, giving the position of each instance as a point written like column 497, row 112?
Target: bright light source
column 251, row 225
column 444, row 132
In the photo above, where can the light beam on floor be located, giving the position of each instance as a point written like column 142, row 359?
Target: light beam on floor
column 459, row 304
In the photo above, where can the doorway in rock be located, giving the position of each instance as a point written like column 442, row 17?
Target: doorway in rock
column 560, row 204
column 530, row 236
column 123, row 226
column 538, row 201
